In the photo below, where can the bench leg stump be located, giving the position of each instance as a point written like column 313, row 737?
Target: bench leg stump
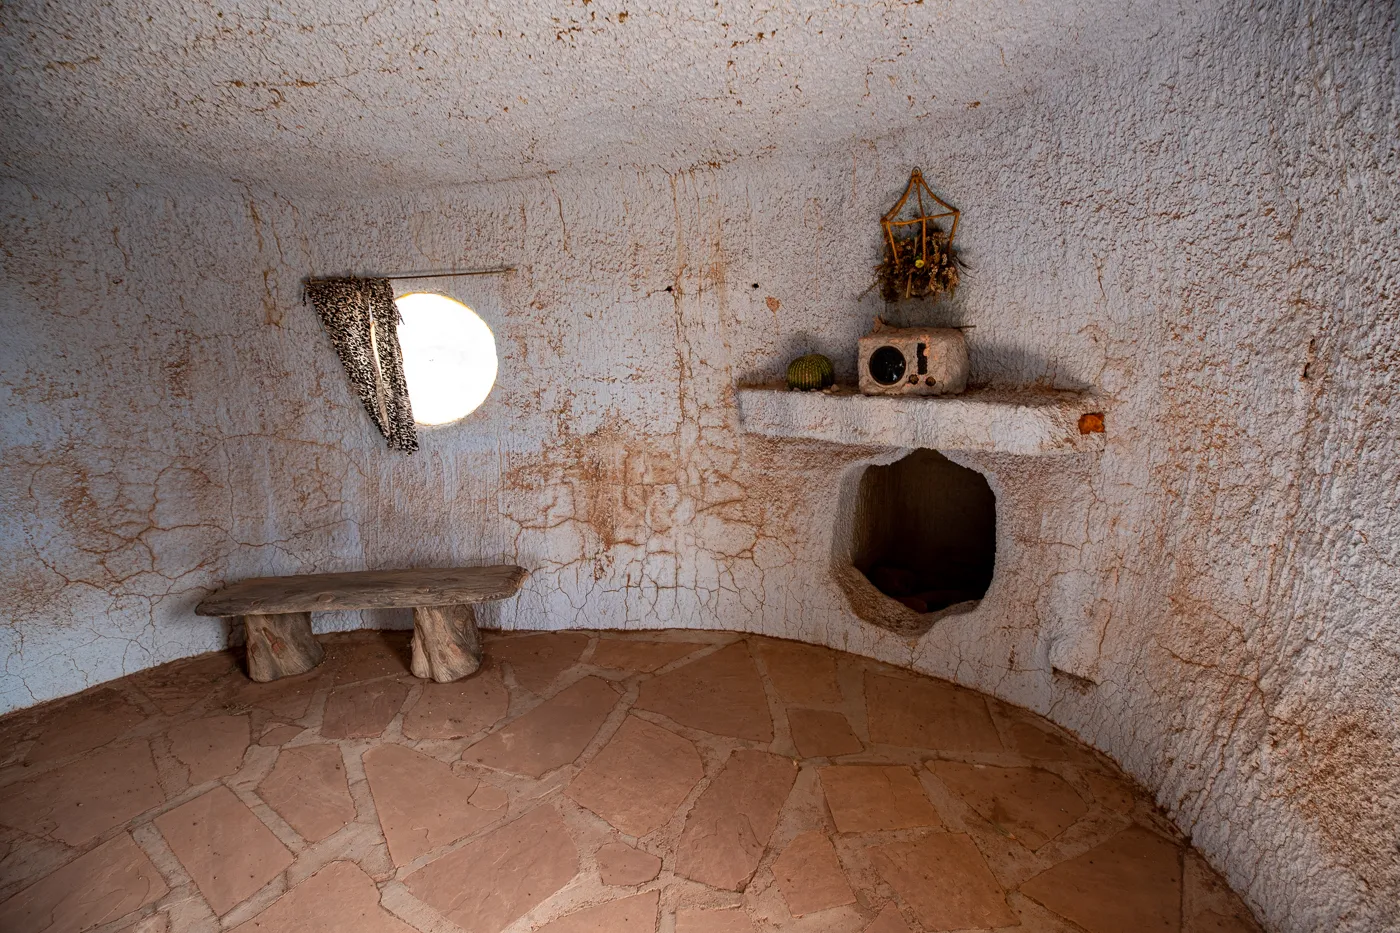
column 446, row 644
column 281, row 645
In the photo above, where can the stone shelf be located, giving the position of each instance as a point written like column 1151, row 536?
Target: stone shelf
column 1028, row 422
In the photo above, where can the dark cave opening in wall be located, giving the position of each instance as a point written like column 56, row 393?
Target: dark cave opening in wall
column 925, row 531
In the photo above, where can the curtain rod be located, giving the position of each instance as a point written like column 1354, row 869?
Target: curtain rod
column 446, row 275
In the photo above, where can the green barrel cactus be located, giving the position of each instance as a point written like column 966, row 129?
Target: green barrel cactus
column 809, row 373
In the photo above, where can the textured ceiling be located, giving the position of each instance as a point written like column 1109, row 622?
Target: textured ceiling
column 315, row 94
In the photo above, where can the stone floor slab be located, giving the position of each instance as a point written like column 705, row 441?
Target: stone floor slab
column 339, row 898
column 227, row 850
column 100, row 887
column 710, row 920
column 86, row 797
column 726, row 832
column 552, row 734
column 809, row 875
column 280, row 734
column 538, row 660
column 946, row 882
column 720, row 693
column 921, row 713
column 287, row 698
column 875, row 798
column 819, row 733
column 1032, row 804
column 83, row 724
column 211, row 747
column 366, row 656
column 620, row 864
column 889, row 921
column 362, row 711
column 174, row 688
column 635, row 914
column 459, row 709
column 421, row 803
column 620, row 654
column 801, row 673
column 1112, row 793
column 1139, row 867
column 307, row 787
column 487, row 884
column 639, row 778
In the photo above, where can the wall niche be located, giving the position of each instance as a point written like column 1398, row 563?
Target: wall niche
column 922, row 542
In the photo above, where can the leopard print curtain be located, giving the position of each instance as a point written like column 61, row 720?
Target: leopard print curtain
column 362, row 320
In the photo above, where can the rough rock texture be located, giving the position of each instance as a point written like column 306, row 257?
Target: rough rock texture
column 1190, row 209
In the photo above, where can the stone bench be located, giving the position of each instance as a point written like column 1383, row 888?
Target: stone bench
column 276, row 614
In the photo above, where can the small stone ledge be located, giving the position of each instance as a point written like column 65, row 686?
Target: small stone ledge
column 1028, row 422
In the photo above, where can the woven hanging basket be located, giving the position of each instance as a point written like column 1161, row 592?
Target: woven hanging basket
column 919, row 259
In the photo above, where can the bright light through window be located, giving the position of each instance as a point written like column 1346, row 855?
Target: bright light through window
column 449, row 357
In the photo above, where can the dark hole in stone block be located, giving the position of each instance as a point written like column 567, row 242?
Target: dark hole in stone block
column 925, row 531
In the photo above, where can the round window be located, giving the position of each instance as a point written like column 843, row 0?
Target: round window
column 449, row 357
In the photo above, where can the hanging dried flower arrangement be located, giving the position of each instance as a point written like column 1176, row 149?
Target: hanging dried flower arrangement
column 920, row 260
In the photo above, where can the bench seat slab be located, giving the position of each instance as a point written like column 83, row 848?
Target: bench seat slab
column 446, row 643
column 281, row 645
column 364, row 589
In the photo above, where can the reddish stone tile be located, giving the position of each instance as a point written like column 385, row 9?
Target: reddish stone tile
column 889, row 921
column 928, row 714
column 227, row 850
column 550, row 735
column 489, row 797
column 211, row 747
column 174, row 688
column 487, row 884
column 802, row 673
column 97, row 888
column 945, row 881
column 639, row 778
column 820, row 733
column 1139, row 867
column 872, row 798
column 703, row 920
column 1040, row 740
column 25, row 858
column 720, row 693
column 308, row 789
column 83, row 724
column 537, row 660
column 459, row 709
column 619, row 654
column 1032, row 804
column 339, row 898
column 83, row 799
column 421, row 803
column 809, row 875
column 363, row 711
column 620, row 864
column 635, row 914
column 280, row 734
column 366, row 656
column 1208, row 905
column 727, row 830
column 287, row 698
column 1112, row 793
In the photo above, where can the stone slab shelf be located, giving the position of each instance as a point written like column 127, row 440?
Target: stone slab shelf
column 1028, row 422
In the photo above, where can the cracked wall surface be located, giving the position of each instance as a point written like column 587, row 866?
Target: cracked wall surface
column 1200, row 225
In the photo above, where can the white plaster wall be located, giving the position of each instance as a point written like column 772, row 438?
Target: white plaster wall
column 1202, row 226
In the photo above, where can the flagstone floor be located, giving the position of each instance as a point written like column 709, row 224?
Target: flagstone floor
column 680, row 782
